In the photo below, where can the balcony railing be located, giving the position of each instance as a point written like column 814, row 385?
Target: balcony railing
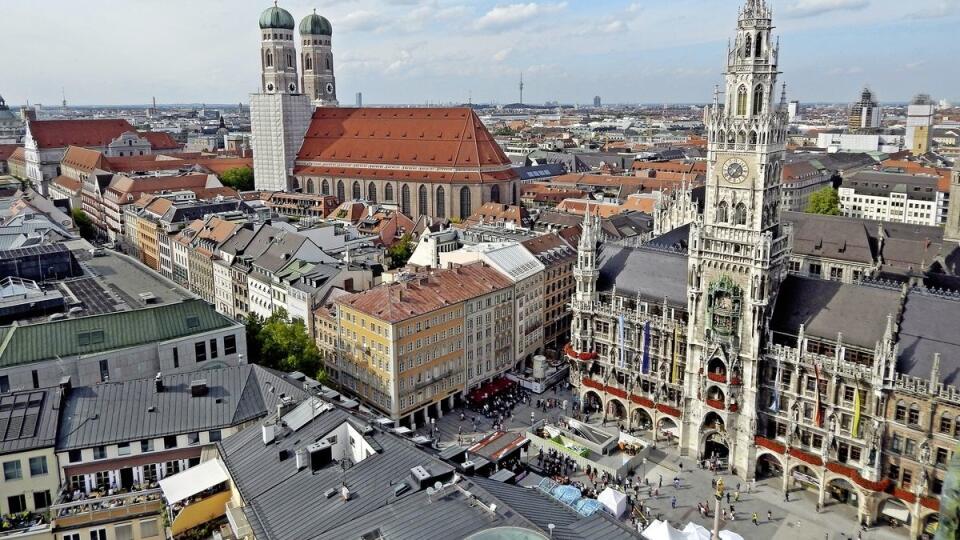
column 716, row 404
column 717, row 377
column 110, row 507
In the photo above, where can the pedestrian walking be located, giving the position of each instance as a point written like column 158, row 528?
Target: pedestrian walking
column 736, row 495
column 756, row 519
column 786, row 496
column 728, row 497
column 681, row 466
column 660, row 484
column 673, row 502
column 769, row 515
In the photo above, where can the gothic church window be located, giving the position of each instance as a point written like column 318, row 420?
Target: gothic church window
column 329, row 63
column 422, row 202
column 753, row 138
column 310, row 185
column 341, row 196
column 356, row 190
column 325, row 188
column 289, row 60
column 388, row 192
column 742, row 101
column 372, row 192
column 759, row 45
column 757, row 99
column 465, row 202
column 405, row 200
column 269, row 60
column 740, row 214
column 495, row 194
column 722, row 212
column 748, row 47
column 308, row 63
column 440, row 203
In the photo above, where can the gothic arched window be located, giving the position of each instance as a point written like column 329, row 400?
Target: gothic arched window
column 324, row 188
column 310, row 185
column 495, row 193
column 372, row 192
column 759, row 45
column 340, row 191
column 329, row 64
column 388, row 192
column 722, row 212
column 440, row 203
column 289, row 60
column 423, row 203
column 405, row 200
column 307, row 63
column 269, row 60
column 757, row 99
column 748, row 46
column 465, row 202
column 742, row 101
column 753, row 138
column 740, row 214
column 356, row 191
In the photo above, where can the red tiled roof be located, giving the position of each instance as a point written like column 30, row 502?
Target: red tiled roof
column 160, row 140
column 18, row 155
column 63, row 133
column 7, row 150
column 440, row 137
column 83, row 159
column 68, row 184
column 427, row 292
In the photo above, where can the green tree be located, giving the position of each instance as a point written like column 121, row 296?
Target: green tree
column 277, row 343
column 239, row 178
column 400, row 252
column 83, row 223
column 825, row 201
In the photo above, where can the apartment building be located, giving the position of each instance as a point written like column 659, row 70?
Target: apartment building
column 892, row 197
column 558, row 258
column 401, row 346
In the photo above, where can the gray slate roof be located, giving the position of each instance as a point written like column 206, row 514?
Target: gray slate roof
column 28, row 420
column 119, row 411
column 652, row 273
column 831, row 237
column 930, row 325
column 828, row 307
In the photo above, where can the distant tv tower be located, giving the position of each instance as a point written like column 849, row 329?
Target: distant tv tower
column 63, row 95
column 521, row 88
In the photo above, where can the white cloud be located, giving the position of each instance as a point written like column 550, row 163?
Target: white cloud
column 363, row 21
column 812, row 8
column 635, row 7
column 502, row 54
column 506, row 16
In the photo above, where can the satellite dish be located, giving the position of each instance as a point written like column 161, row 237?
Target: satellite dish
column 430, row 492
column 438, row 485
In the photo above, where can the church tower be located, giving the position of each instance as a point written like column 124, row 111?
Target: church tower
column 278, row 54
column 737, row 249
column 318, row 80
column 585, row 273
column 279, row 114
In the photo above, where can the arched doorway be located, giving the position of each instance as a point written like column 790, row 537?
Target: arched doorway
column 642, row 419
column 840, row 490
column 591, row 402
column 768, row 466
column 495, row 193
column 667, row 430
column 714, row 443
column 803, row 477
column 717, row 370
column 894, row 512
column 616, row 410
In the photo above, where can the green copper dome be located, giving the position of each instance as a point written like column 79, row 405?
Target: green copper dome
column 277, row 17
column 315, row 25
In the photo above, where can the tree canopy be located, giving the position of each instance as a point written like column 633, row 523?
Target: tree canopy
column 400, row 252
column 825, row 201
column 83, row 223
column 239, row 178
column 280, row 344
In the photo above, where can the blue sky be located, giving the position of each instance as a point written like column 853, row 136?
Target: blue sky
column 419, row 51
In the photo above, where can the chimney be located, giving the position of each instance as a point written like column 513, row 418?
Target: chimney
column 301, row 459
column 198, row 388
column 158, row 383
column 268, row 431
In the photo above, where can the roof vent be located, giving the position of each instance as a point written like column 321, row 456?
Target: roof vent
column 158, row 383
column 301, row 455
column 268, row 433
column 198, row 388
column 321, row 453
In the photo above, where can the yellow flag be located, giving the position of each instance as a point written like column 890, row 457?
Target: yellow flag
column 856, row 413
column 676, row 354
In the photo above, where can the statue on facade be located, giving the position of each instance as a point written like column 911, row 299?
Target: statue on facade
column 925, row 452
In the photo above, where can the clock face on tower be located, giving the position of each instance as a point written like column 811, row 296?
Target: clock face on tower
column 269, row 87
column 329, row 88
column 292, row 87
column 735, row 170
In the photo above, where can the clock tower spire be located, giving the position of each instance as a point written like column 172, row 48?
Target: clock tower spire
column 738, row 247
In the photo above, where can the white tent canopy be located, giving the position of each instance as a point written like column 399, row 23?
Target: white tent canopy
column 695, row 531
column 194, row 480
column 614, row 501
column 661, row 530
column 729, row 535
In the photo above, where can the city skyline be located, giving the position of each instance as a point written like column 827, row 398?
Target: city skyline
column 417, row 51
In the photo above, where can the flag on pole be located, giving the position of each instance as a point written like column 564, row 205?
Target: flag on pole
column 775, row 405
column 856, row 413
column 676, row 354
column 621, row 360
column 819, row 411
column 645, row 366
